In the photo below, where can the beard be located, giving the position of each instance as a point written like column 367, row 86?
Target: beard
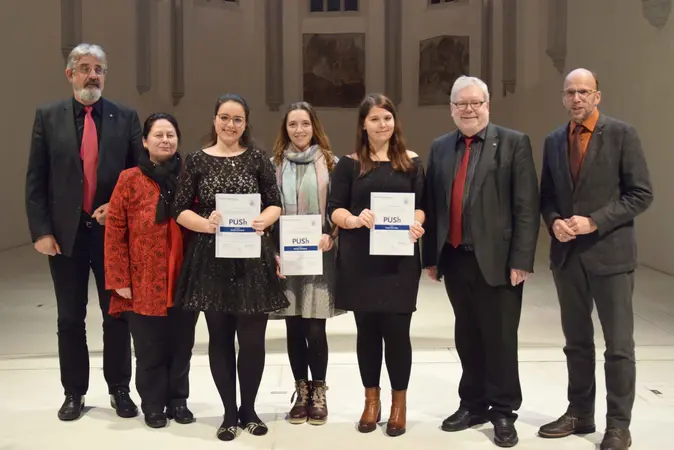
column 89, row 94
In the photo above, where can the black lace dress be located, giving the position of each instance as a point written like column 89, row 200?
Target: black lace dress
column 235, row 286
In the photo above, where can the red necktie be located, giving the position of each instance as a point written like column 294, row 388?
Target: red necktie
column 89, row 155
column 576, row 153
column 456, row 203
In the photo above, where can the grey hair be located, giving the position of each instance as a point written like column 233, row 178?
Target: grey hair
column 463, row 82
column 84, row 50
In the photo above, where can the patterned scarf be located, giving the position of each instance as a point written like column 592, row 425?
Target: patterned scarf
column 311, row 197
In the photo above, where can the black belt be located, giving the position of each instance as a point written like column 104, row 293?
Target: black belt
column 465, row 248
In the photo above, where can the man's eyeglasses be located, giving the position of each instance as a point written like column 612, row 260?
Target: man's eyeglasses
column 85, row 70
column 475, row 105
column 582, row 93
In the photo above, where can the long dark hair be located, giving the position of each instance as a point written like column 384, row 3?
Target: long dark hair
column 246, row 139
column 319, row 137
column 397, row 150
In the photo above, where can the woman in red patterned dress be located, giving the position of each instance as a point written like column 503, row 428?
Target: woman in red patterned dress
column 143, row 253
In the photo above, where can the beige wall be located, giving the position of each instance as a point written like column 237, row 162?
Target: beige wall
column 224, row 51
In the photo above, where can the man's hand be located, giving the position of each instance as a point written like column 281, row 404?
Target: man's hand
column 432, row 273
column 581, row 225
column 562, row 231
column 101, row 213
column 518, row 276
column 47, row 245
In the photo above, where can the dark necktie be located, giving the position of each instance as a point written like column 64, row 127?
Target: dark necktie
column 89, row 155
column 456, row 203
column 576, row 153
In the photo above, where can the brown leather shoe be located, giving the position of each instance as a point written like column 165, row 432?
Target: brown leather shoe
column 372, row 411
column 300, row 410
column 616, row 439
column 566, row 426
column 397, row 421
column 318, row 409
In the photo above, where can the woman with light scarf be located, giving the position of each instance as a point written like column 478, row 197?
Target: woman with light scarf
column 304, row 165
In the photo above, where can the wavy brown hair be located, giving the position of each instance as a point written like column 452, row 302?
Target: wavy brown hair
column 318, row 135
column 397, row 150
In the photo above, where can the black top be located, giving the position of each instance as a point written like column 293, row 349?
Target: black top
column 235, row 286
column 373, row 283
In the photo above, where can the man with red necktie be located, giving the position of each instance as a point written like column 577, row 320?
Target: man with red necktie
column 482, row 205
column 79, row 147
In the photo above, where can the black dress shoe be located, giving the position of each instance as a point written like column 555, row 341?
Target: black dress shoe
column 566, row 426
column 156, row 420
column 616, row 439
column 505, row 434
column 121, row 402
column 72, row 407
column 180, row 413
column 462, row 420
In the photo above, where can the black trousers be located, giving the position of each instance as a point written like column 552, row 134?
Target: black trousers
column 163, row 346
column 71, row 285
column 374, row 330
column 486, row 324
column 576, row 290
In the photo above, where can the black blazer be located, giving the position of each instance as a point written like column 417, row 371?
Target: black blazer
column 503, row 209
column 55, row 174
column 613, row 188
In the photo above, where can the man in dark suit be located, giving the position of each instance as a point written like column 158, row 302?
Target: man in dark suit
column 79, row 147
column 594, row 183
column 481, row 203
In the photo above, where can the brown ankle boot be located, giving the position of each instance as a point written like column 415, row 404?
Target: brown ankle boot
column 372, row 411
column 398, row 418
column 299, row 412
column 318, row 409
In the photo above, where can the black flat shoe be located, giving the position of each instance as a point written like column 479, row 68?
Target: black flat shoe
column 253, row 424
column 227, row 432
column 72, row 407
column 181, row 414
column 156, row 420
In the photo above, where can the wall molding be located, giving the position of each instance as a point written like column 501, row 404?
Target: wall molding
column 656, row 12
column 509, row 40
column 273, row 19
column 557, row 30
column 143, row 46
column 71, row 26
column 487, row 41
column 393, row 27
column 177, row 51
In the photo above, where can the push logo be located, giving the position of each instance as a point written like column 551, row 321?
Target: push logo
column 392, row 220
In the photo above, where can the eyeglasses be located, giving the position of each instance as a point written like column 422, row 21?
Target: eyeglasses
column 475, row 105
column 85, row 70
column 237, row 121
column 582, row 93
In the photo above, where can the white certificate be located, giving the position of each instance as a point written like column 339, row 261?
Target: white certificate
column 393, row 215
column 300, row 254
column 235, row 237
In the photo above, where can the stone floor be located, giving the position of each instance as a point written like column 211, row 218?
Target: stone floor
column 31, row 392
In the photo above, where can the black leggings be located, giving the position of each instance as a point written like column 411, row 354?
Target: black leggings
column 250, row 331
column 307, row 347
column 394, row 330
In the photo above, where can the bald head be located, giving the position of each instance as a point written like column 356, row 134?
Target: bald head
column 581, row 94
column 582, row 76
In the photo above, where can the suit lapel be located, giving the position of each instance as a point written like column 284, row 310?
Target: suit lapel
column 69, row 129
column 448, row 161
column 593, row 147
column 563, row 160
column 108, row 127
column 491, row 141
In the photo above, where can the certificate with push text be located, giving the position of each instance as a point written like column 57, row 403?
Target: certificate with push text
column 300, row 236
column 235, row 237
column 393, row 216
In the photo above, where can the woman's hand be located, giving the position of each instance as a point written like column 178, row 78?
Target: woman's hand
column 364, row 219
column 416, row 231
column 259, row 225
column 213, row 222
column 124, row 292
column 278, row 267
column 326, row 242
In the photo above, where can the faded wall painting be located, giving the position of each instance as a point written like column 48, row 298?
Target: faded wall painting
column 334, row 69
column 442, row 59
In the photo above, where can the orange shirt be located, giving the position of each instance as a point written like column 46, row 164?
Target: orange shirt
column 586, row 134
